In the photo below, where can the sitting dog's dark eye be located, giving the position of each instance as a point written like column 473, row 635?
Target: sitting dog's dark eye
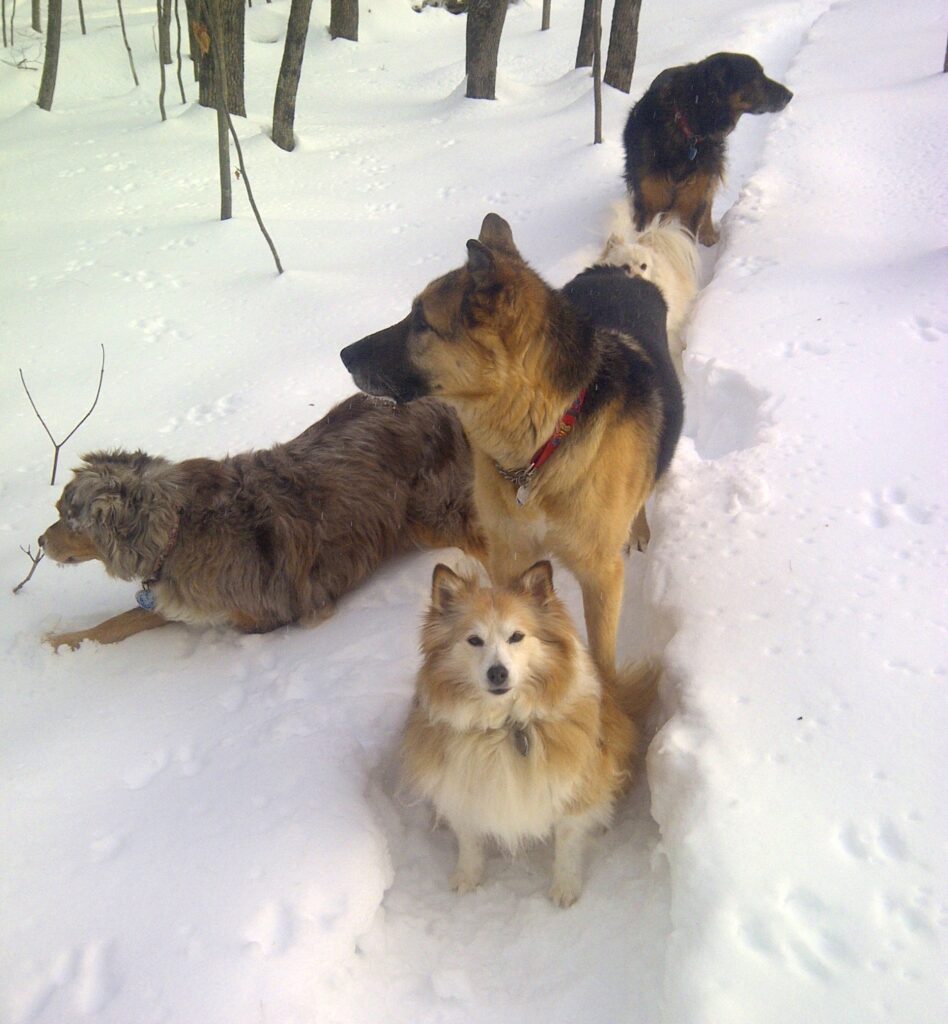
column 475, row 641
column 515, row 638
column 643, row 266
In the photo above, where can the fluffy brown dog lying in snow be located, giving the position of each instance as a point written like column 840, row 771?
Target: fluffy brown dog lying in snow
column 267, row 538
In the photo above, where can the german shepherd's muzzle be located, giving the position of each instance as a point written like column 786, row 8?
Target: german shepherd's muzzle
column 381, row 364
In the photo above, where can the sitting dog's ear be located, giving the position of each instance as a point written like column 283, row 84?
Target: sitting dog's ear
column 446, row 587
column 537, row 582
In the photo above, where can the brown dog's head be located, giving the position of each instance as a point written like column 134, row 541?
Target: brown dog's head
column 718, row 89
column 119, row 508
column 465, row 333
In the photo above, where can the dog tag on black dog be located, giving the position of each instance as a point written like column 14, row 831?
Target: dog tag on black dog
column 692, row 151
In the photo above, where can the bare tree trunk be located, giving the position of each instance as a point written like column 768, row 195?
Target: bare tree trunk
column 623, row 42
column 545, row 19
column 284, row 102
column 82, row 18
column 213, row 9
column 177, row 21
column 485, row 23
column 597, row 75
column 344, row 20
column 3, row 19
column 128, row 49
column 161, row 68
column 231, row 45
column 37, row 23
column 54, row 24
column 164, row 31
column 190, row 8
column 587, row 36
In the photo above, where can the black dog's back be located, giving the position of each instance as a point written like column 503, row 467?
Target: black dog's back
column 634, row 308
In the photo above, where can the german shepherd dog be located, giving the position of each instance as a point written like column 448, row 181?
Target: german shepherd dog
column 513, row 734
column 675, row 136
column 569, row 400
column 266, row 538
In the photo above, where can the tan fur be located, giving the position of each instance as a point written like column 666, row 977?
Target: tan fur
column 460, row 747
column 496, row 373
column 264, row 539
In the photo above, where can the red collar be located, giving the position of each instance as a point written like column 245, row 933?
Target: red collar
column 524, row 477
column 690, row 137
column 162, row 558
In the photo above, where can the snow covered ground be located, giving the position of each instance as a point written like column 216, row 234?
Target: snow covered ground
column 204, row 828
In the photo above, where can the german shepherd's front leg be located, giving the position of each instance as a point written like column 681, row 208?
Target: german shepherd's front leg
column 602, row 582
column 120, row 627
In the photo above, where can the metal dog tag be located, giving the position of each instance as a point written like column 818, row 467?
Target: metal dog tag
column 692, row 151
column 523, row 494
column 145, row 599
column 521, row 741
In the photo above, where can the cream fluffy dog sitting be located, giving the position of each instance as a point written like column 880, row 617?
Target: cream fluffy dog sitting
column 513, row 734
column 664, row 253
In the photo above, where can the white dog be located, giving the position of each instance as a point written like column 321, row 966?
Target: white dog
column 664, row 253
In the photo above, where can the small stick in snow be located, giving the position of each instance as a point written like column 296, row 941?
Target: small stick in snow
column 57, row 445
column 35, row 559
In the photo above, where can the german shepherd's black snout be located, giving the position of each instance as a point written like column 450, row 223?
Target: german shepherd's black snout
column 380, row 364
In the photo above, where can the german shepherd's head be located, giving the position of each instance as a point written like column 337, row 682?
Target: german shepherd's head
column 120, row 508
column 468, row 332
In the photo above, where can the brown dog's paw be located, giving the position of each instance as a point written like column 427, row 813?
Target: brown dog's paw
column 708, row 234
column 70, row 640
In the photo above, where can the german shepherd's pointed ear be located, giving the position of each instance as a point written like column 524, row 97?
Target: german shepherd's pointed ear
column 481, row 265
column 496, row 234
column 537, row 582
column 446, row 588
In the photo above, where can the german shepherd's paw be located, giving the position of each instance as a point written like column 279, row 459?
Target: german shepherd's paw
column 465, row 881
column 564, row 892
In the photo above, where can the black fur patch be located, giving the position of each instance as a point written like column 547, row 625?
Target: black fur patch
column 618, row 307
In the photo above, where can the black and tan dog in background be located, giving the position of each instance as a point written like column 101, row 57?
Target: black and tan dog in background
column 675, row 136
column 266, row 538
column 569, row 400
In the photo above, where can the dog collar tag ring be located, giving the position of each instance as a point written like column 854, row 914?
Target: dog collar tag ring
column 521, row 741
column 145, row 599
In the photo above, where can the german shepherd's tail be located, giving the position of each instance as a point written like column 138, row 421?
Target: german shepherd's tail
column 636, row 686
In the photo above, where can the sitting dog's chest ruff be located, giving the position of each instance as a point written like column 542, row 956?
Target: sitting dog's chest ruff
column 498, row 782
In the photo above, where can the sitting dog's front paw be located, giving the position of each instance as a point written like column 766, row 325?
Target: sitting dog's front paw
column 564, row 892
column 464, row 881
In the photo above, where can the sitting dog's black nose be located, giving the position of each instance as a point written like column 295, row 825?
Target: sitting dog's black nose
column 497, row 677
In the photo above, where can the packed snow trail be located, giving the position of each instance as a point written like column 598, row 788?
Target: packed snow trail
column 796, row 781
column 200, row 826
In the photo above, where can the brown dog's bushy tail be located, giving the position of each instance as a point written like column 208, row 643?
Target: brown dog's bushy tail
column 636, row 686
